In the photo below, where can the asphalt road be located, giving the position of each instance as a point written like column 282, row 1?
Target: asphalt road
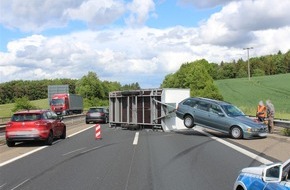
column 127, row 160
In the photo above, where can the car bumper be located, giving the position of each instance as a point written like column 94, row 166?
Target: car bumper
column 26, row 135
column 248, row 135
column 96, row 119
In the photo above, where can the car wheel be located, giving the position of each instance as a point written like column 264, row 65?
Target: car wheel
column 10, row 143
column 87, row 122
column 63, row 135
column 188, row 121
column 49, row 139
column 240, row 188
column 236, row 132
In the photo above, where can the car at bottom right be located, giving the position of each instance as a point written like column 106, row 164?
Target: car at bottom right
column 275, row 176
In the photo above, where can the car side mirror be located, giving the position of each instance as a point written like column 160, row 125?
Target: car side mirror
column 221, row 114
column 60, row 117
column 272, row 173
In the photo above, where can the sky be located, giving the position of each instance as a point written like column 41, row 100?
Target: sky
column 131, row 41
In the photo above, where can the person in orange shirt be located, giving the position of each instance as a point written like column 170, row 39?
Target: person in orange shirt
column 261, row 111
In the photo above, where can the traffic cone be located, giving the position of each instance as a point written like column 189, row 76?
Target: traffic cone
column 98, row 132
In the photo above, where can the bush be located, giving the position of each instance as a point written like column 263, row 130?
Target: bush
column 23, row 104
column 286, row 132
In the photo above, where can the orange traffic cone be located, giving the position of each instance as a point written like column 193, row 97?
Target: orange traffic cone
column 98, row 132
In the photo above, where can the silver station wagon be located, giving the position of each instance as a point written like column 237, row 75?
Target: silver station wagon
column 220, row 116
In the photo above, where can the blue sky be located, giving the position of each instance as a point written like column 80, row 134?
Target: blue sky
column 133, row 41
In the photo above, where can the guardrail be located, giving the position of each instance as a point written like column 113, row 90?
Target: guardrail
column 282, row 123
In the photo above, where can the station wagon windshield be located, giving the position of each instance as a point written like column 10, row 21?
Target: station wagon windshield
column 232, row 111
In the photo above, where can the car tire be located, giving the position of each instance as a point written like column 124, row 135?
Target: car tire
column 49, row 139
column 240, row 188
column 63, row 135
column 188, row 121
column 236, row 132
column 10, row 143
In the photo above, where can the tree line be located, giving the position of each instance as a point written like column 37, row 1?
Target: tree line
column 89, row 86
column 259, row 66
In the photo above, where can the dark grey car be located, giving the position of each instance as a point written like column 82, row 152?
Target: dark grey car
column 97, row 115
column 220, row 116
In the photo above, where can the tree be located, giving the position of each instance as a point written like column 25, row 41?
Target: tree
column 23, row 104
column 90, row 86
column 194, row 76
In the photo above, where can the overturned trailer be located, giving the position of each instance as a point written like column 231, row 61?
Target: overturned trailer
column 147, row 108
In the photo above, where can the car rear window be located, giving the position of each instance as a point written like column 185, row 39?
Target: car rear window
column 26, row 117
column 95, row 110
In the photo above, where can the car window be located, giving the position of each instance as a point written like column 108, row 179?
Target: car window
column 48, row 115
column 232, row 110
column 91, row 110
column 190, row 102
column 44, row 116
column 53, row 115
column 215, row 109
column 203, row 106
column 26, row 117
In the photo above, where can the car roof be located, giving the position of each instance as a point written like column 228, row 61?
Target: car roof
column 211, row 100
column 30, row 111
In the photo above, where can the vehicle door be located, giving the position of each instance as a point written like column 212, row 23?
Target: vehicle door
column 217, row 118
column 51, row 122
column 57, row 124
column 283, row 185
column 189, row 106
column 202, row 112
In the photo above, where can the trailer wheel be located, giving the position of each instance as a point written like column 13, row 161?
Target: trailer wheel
column 188, row 121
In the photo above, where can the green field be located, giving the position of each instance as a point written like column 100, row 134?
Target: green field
column 246, row 94
column 5, row 109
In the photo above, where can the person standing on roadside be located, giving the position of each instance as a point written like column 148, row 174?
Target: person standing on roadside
column 261, row 111
column 270, row 115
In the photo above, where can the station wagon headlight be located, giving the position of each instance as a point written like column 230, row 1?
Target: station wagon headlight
column 254, row 130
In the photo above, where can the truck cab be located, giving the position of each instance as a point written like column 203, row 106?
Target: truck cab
column 60, row 104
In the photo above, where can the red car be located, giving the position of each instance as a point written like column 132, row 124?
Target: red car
column 34, row 125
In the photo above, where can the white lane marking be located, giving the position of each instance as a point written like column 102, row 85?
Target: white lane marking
column 38, row 149
column 20, row 184
column 81, row 131
column 21, row 156
column 135, row 142
column 73, row 151
column 2, row 185
column 237, row 148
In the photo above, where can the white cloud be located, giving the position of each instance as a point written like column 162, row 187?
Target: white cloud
column 99, row 12
column 236, row 23
column 35, row 15
column 139, row 11
column 136, row 54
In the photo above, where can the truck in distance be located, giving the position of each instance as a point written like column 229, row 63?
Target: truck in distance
column 66, row 104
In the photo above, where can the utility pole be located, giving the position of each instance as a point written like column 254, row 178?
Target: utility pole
column 248, row 49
